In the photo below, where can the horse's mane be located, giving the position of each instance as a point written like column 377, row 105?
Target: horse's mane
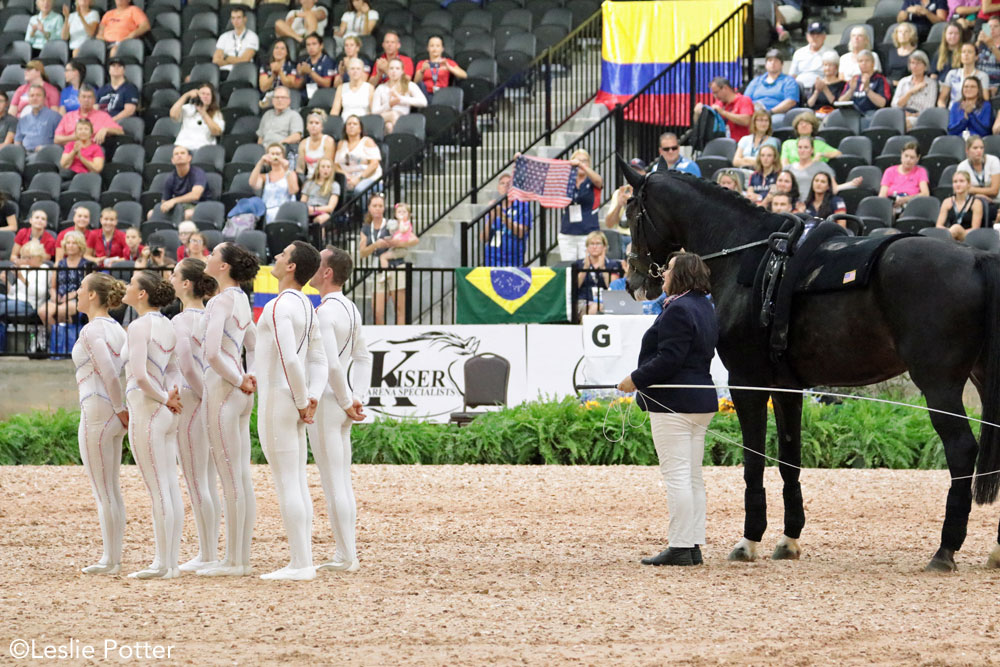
column 717, row 193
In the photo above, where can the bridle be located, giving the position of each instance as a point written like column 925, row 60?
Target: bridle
column 644, row 263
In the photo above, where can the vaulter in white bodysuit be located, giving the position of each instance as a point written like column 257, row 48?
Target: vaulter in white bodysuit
column 153, row 406
column 191, row 286
column 103, row 418
column 292, row 369
column 339, row 407
column 228, row 399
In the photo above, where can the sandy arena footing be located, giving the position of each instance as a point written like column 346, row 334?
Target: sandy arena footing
column 514, row 565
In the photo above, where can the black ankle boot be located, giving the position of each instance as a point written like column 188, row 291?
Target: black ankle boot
column 696, row 555
column 671, row 556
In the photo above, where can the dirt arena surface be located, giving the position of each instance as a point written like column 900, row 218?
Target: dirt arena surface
column 515, row 565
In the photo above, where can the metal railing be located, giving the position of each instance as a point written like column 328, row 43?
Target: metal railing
column 632, row 129
column 35, row 325
column 38, row 316
column 459, row 158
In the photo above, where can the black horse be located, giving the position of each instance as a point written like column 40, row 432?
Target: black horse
column 931, row 308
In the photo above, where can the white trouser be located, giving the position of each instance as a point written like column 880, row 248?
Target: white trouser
column 100, row 435
column 680, row 446
column 283, row 440
column 152, row 436
column 572, row 247
column 227, row 419
column 330, row 438
column 199, row 474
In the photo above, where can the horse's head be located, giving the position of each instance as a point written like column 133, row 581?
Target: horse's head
column 655, row 233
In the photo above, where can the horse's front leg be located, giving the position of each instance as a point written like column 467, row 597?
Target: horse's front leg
column 960, row 449
column 751, row 408
column 788, row 416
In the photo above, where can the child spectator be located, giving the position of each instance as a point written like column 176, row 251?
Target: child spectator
column 321, row 193
column 106, row 245
column 906, row 180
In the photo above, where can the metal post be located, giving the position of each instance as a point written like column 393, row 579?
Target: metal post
column 619, row 114
column 548, row 96
column 406, row 293
column 474, row 153
column 543, row 243
column 693, row 82
column 465, row 243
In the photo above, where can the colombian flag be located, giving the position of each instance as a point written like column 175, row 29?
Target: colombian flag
column 641, row 39
column 508, row 295
column 265, row 288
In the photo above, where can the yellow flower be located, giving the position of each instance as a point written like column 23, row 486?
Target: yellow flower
column 591, row 404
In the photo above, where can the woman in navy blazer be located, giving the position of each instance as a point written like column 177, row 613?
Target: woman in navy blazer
column 678, row 349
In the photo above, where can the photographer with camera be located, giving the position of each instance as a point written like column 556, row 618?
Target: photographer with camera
column 279, row 184
column 201, row 121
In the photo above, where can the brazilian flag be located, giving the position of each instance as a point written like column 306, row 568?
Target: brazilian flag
column 508, row 295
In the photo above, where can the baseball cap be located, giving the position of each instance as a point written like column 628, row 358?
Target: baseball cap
column 115, row 61
column 817, row 27
column 637, row 163
column 774, row 53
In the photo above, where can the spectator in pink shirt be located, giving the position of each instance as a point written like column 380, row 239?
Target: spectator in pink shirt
column 34, row 72
column 82, row 155
column 906, row 180
column 102, row 123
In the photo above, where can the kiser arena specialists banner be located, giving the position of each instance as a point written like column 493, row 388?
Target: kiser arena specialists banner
column 508, row 295
column 642, row 38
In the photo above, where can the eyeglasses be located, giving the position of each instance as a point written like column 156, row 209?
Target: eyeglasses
column 667, row 149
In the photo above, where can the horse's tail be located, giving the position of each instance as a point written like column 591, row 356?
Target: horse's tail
column 987, row 480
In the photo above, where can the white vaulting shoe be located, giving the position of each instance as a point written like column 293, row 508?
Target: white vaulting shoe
column 152, row 573
column 291, row 574
column 196, row 564
column 225, row 570
column 341, row 566
column 102, row 568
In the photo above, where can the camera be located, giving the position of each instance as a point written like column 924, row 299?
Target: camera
column 156, row 251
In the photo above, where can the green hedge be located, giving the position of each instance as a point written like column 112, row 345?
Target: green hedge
column 852, row 434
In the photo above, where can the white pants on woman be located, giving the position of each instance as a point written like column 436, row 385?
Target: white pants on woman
column 572, row 247
column 680, row 446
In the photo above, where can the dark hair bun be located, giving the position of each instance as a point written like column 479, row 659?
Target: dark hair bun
column 116, row 292
column 243, row 264
column 206, row 286
column 161, row 294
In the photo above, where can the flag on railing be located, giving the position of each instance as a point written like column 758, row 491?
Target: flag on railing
column 642, row 39
column 547, row 181
column 265, row 288
column 507, row 295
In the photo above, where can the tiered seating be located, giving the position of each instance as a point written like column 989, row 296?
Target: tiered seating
column 493, row 42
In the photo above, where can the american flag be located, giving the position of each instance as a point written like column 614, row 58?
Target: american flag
column 549, row 182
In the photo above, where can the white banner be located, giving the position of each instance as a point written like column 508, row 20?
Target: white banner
column 417, row 371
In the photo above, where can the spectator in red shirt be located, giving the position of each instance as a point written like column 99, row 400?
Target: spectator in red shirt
column 734, row 108
column 34, row 72
column 36, row 231
column 103, row 124
column 82, row 156
column 81, row 223
column 133, row 239
column 107, row 245
column 195, row 247
column 390, row 46
column 436, row 72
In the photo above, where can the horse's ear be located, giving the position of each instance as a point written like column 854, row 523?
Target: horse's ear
column 631, row 177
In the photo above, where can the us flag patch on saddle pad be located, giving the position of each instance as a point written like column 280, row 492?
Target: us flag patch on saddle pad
column 850, row 276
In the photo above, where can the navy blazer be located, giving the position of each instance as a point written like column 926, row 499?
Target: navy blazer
column 678, row 349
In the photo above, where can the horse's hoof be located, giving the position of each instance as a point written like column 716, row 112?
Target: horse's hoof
column 786, row 551
column 745, row 551
column 994, row 560
column 943, row 561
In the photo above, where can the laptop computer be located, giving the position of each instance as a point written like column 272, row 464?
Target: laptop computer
column 620, row 302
